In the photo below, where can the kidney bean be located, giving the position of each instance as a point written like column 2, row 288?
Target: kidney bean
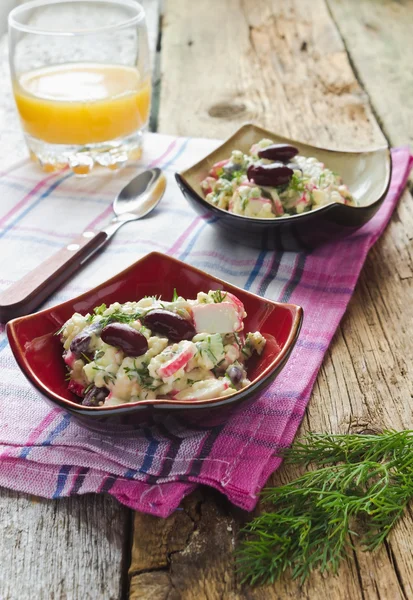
column 169, row 324
column 95, row 396
column 81, row 342
column 235, row 374
column 125, row 337
column 282, row 152
column 274, row 174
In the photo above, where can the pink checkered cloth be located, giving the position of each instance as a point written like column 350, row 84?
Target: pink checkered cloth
column 43, row 451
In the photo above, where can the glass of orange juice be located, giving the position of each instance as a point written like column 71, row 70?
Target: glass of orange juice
column 81, row 81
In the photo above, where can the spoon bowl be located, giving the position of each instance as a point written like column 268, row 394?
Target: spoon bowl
column 140, row 196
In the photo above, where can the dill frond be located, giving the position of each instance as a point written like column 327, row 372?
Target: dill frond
column 358, row 485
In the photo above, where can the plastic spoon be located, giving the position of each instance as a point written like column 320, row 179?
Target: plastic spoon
column 138, row 198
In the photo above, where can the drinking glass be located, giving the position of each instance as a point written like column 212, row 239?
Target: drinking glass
column 81, row 81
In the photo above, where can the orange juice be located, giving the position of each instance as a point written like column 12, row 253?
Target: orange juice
column 82, row 103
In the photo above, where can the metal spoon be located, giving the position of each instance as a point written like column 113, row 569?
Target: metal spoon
column 138, row 198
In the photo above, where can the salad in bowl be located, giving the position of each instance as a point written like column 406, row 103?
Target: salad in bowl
column 196, row 356
column 182, row 349
column 267, row 191
column 273, row 180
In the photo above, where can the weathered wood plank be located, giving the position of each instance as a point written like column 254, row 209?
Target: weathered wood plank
column 284, row 65
column 378, row 35
column 72, row 548
column 281, row 64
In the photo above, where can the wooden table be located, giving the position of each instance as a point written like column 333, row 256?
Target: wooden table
column 336, row 72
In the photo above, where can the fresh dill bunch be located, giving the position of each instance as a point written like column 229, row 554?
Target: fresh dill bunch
column 359, row 485
column 331, row 449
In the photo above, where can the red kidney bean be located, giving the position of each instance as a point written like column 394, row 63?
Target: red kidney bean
column 282, row 152
column 169, row 324
column 95, row 396
column 235, row 374
column 274, row 174
column 125, row 337
column 80, row 343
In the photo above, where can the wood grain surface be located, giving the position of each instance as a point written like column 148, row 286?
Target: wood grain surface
column 285, row 65
column 378, row 37
column 73, row 548
column 320, row 73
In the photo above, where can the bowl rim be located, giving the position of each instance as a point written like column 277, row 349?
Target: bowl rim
column 158, row 403
column 182, row 181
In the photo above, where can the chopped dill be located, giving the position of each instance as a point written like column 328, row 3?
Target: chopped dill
column 321, row 179
column 99, row 310
column 206, row 351
column 141, row 374
column 121, row 317
column 107, row 377
column 297, row 183
column 218, row 296
column 237, row 339
column 89, row 387
column 230, row 175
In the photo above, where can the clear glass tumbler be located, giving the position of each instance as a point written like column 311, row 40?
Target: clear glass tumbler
column 81, row 81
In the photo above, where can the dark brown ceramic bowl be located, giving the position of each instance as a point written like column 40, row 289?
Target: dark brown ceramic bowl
column 38, row 350
column 367, row 174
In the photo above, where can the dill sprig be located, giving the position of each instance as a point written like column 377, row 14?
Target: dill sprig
column 218, row 296
column 359, row 486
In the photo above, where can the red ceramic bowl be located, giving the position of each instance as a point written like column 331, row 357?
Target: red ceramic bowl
column 39, row 352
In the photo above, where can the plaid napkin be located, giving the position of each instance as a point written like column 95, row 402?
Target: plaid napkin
column 43, row 451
